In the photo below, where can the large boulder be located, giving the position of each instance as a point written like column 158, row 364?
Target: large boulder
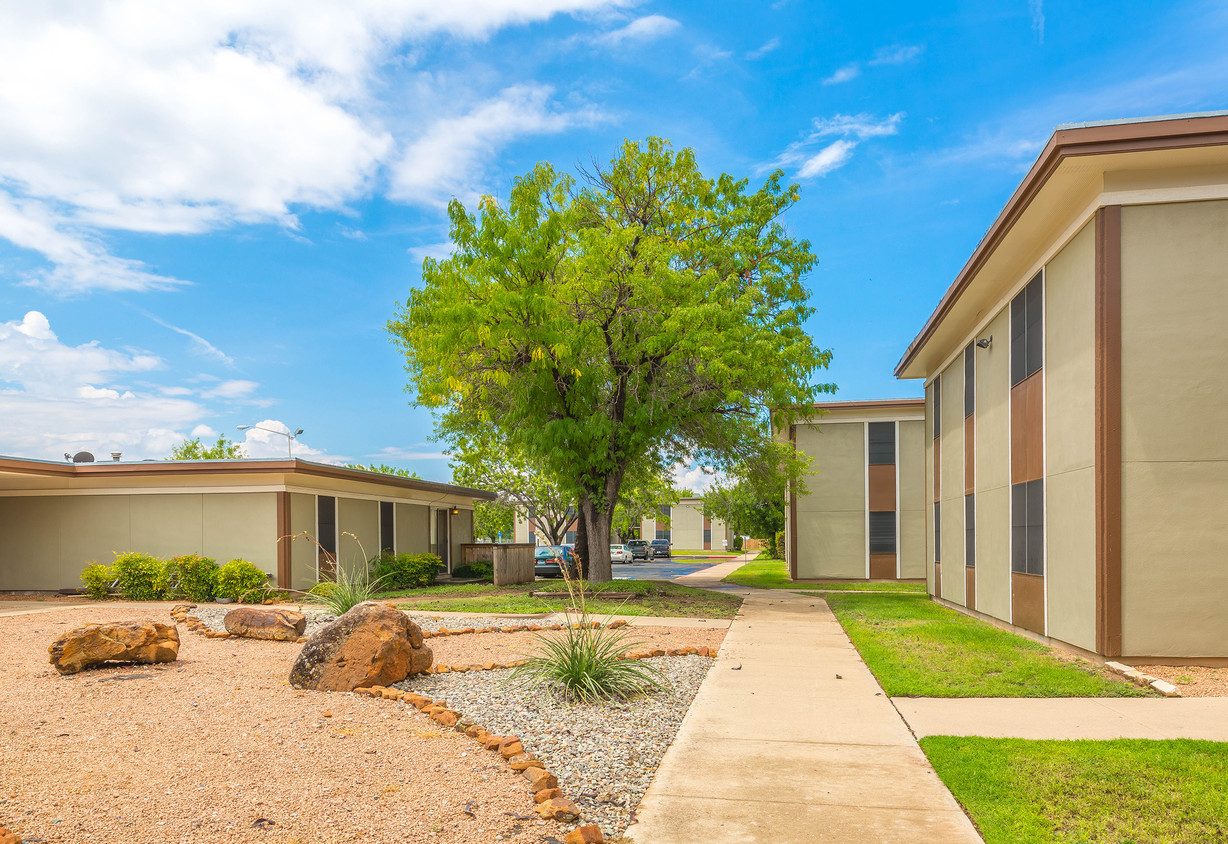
column 371, row 645
column 125, row 641
column 255, row 623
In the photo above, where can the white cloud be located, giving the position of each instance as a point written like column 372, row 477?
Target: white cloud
column 438, row 251
column 185, row 117
column 200, row 343
column 896, row 54
column 860, row 126
column 447, row 159
column 845, row 74
column 204, row 432
column 763, row 49
column 827, row 159
column 647, row 28
column 811, row 160
column 1037, row 10
column 230, row 390
column 695, row 478
column 266, row 445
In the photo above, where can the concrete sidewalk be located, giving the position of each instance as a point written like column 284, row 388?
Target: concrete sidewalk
column 1068, row 718
column 790, row 739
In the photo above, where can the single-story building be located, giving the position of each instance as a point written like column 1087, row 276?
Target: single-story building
column 863, row 514
column 55, row 518
column 1076, row 382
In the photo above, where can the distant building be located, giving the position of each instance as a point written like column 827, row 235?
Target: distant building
column 685, row 525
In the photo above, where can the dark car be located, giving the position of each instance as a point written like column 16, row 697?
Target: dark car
column 548, row 560
column 660, row 548
column 639, row 549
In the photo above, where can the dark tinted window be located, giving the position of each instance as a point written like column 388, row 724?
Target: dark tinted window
column 969, row 531
column 937, row 531
column 882, row 533
column 326, row 523
column 1027, row 331
column 969, row 380
column 386, row 530
column 882, row 443
column 1028, row 527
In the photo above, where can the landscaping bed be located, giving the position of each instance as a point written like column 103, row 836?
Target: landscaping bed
column 918, row 648
column 1124, row 791
column 1192, row 680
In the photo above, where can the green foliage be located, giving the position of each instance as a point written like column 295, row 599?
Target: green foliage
column 141, row 577
column 197, row 576
column 406, row 571
column 492, row 518
column 646, row 317
column 97, row 579
column 767, row 573
column 754, row 506
column 737, row 542
column 240, row 580
column 382, row 469
column 481, row 569
column 346, row 592
column 191, row 449
column 1122, row 791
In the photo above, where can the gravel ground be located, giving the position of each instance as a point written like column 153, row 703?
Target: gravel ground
column 1192, row 680
column 213, row 615
column 204, row 748
column 505, row 647
column 604, row 756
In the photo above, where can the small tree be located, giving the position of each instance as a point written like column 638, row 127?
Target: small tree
column 492, row 518
column 192, row 449
column 752, row 506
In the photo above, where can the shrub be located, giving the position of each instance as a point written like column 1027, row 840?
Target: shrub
column 197, row 576
column 779, row 541
column 240, row 580
column 141, row 577
column 346, row 592
column 406, row 571
column 97, row 579
column 483, row 569
column 737, row 543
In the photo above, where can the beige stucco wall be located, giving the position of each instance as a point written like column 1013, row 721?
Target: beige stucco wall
column 414, row 528
column 993, row 470
column 360, row 517
column 831, row 529
column 913, row 500
column 302, row 551
column 1175, row 454
column 952, row 490
column 1070, row 441
column 462, row 533
column 45, row 541
column 687, row 525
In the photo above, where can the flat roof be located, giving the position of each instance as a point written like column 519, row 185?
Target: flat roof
column 1136, row 143
column 197, row 468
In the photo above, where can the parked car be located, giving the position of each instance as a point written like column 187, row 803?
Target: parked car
column 639, row 549
column 660, row 548
column 620, row 554
column 548, row 560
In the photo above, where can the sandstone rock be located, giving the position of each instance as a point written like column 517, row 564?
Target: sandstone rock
column 447, row 718
column 370, row 645
column 540, row 779
column 392, row 694
column 525, row 760
column 614, row 625
column 493, row 742
column 507, row 751
column 277, row 625
column 558, row 809
column 131, row 641
column 546, row 794
column 7, row 837
column 590, row 834
column 473, row 731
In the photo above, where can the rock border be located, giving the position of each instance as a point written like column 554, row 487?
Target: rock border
column 1145, row 680
column 181, row 613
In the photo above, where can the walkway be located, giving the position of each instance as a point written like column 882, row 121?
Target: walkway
column 1068, row 718
column 790, row 739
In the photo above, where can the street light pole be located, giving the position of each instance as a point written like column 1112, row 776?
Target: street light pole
column 289, row 437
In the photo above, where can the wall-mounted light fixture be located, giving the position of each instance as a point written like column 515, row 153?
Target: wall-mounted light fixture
column 455, row 511
column 984, row 342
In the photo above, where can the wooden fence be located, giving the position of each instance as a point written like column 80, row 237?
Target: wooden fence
column 513, row 562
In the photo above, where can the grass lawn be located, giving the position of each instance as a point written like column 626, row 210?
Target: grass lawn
column 653, row 597
column 709, row 553
column 767, row 573
column 1125, row 791
column 917, row 648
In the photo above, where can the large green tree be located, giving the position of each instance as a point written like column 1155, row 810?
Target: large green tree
column 643, row 313
column 753, row 506
column 192, row 449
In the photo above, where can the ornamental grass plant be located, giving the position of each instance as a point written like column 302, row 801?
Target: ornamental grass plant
column 587, row 662
column 347, row 589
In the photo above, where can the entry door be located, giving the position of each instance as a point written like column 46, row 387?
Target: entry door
column 444, row 536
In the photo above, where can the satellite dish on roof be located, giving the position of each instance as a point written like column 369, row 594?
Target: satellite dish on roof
column 83, row 457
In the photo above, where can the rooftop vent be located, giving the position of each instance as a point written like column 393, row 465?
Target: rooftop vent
column 115, row 455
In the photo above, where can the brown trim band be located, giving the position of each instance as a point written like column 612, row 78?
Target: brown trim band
column 1147, row 136
column 283, row 541
column 1108, row 431
column 871, row 405
column 793, row 513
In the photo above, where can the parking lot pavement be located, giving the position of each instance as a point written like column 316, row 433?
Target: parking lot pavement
column 660, row 569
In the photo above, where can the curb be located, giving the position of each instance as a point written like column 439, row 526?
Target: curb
column 1145, row 680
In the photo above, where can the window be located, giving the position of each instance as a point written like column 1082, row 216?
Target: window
column 326, row 524
column 387, row 530
column 707, row 537
column 882, row 443
column 937, row 387
column 969, row 531
column 969, row 380
column 569, row 538
column 532, row 538
column 1027, row 331
column 937, row 531
column 663, row 533
column 882, row 533
column 1028, row 527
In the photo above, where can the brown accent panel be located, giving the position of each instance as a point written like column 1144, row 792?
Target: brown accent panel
column 970, row 587
column 1108, row 430
column 283, row 540
column 882, row 488
column 938, row 579
column 793, row 514
column 708, row 532
column 937, row 469
column 969, row 454
column 1027, row 428
column 1028, row 601
column 882, row 566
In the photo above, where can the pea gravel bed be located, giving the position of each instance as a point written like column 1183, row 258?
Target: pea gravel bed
column 604, row 756
column 213, row 616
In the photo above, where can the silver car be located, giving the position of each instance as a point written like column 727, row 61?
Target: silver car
column 620, row 554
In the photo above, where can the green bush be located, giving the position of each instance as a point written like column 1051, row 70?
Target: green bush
column 239, row 580
column 405, row 571
column 779, row 542
column 482, row 569
column 97, row 579
column 141, row 577
column 737, row 543
column 197, row 576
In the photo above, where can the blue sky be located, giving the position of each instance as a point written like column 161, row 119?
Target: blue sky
column 207, row 214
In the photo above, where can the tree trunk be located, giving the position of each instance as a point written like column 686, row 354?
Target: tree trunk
column 596, row 524
column 581, row 547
